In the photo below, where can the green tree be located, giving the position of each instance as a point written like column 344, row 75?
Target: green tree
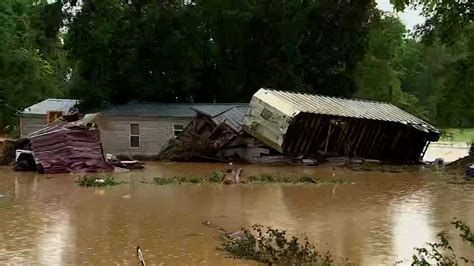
column 389, row 62
column 446, row 19
column 454, row 103
column 28, row 56
column 214, row 50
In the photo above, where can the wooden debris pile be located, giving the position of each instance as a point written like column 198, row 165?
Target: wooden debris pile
column 220, row 137
column 201, row 139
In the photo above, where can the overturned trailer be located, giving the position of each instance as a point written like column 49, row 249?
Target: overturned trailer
column 216, row 133
column 305, row 124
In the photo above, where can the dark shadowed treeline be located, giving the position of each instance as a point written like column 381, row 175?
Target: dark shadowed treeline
column 215, row 50
column 115, row 51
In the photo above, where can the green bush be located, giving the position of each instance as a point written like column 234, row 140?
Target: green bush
column 441, row 253
column 272, row 246
column 217, row 177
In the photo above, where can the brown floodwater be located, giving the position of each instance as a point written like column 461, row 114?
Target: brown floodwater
column 378, row 219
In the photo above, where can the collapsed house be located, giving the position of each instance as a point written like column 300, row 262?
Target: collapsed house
column 285, row 127
column 64, row 147
column 212, row 129
column 217, row 134
column 305, row 124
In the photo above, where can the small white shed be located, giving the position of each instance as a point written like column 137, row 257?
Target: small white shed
column 35, row 117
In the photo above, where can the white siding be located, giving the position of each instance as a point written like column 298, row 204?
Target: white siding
column 31, row 124
column 154, row 134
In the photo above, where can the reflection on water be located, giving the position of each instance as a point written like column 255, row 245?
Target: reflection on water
column 379, row 219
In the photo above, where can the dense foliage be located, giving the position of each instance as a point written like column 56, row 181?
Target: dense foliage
column 32, row 64
column 214, row 50
column 115, row 51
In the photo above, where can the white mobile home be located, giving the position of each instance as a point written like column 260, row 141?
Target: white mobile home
column 143, row 129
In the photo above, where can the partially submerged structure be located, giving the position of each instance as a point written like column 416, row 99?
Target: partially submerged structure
column 67, row 147
column 35, row 117
column 211, row 130
column 142, row 130
column 217, row 134
column 276, row 127
column 305, row 124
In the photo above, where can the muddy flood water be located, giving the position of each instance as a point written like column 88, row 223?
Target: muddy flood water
column 380, row 218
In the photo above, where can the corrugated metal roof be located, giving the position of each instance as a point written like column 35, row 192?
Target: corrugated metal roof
column 166, row 109
column 43, row 107
column 232, row 115
column 318, row 104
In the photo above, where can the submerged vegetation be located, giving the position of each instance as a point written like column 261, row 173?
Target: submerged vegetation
column 220, row 177
column 272, row 246
column 217, row 177
column 442, row 253
column 177, row 180
column 268, row 178
column 96, row 181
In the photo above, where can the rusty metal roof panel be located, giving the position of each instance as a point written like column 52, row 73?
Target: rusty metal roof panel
column 318, row 104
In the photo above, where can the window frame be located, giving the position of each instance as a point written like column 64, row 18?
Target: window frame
column 130, row 135
column 174, row 130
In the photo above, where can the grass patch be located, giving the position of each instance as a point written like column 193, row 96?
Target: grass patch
column 178, row 180
column 335, row 181
column 96, row 181
column 458, row 134
column 218, row 177
column 266, row 178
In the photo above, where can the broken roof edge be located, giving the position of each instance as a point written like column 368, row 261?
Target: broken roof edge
column 270, row 92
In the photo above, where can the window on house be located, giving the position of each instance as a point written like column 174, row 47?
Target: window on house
column 177, row 129
column 266, row 114
column 134, row 135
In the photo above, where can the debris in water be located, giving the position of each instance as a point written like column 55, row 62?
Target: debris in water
column 140, row 257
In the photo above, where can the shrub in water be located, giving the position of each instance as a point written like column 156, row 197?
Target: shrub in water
column 216, row 177
column 441, row 253
column 271, row 246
